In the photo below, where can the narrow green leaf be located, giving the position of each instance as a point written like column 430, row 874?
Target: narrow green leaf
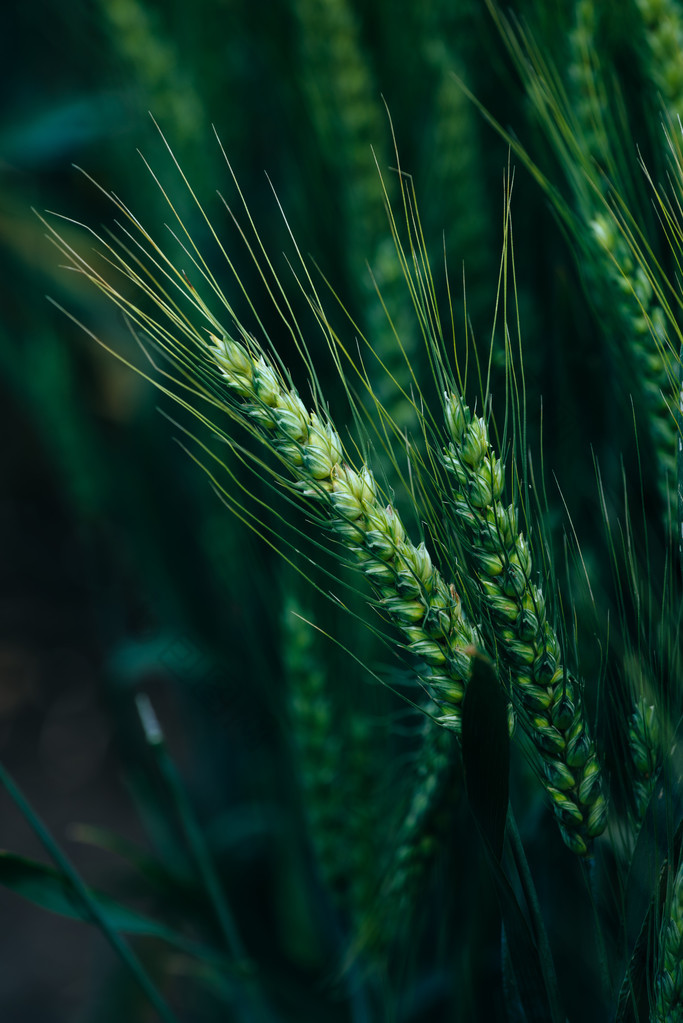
column 91, row 907
column 49, row 889
column 532, row 984
column 486, row 758
column 157, row 817
column 148, row 866
column 513, row 1002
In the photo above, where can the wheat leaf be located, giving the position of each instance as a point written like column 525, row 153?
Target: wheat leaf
column 51, row 890
column 486, row 752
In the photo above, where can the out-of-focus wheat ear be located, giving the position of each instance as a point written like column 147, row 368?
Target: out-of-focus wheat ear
column 679, row 475
column 414, row 850
column 410, row 590
column 345, row 108
column 460, row 220
column 635, row 305
column 644, row 745
column 156, row 60
column 344, row 104
column 668, row 988
column 364, row 771
column 336, row 762
column 644, row 742
column 663, row 24
column 586, row 131
column 585, row 82
column 623, row 292
column 317, row 747
column 547, row 699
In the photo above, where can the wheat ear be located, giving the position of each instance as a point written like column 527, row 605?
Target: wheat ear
column 635, row 304
column 646, row 753
column 317, row 748
column 546, row 698
column 582, row 130
column 588, row 102
column 419, row 841
column 664, row 37
column 410, row 589
column 619, row 286
column 668, row 1006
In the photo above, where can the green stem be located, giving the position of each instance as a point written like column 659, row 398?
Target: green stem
column 538, row 927
column 197, row 846
column 120, row 946
column 588, row 868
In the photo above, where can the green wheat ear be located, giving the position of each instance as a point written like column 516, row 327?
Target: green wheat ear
column 240, row 378
column 370, row 533
column 644, row 741
column 416, row 846
column 317, row 746
column 663, row 24
column 589, row 134
column 618, row 285
column 547, row 699
column 333, row 754
column 668, row 989
column 498, row 564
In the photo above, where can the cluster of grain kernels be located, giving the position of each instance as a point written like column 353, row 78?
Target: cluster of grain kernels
column 547, row 700
column 410, row 589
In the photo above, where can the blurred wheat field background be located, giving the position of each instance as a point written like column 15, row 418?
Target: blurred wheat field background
column 427, row 765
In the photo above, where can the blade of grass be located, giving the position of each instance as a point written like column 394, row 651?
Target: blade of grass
column 91, row 908
column 198, row 847
column 50, row 889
